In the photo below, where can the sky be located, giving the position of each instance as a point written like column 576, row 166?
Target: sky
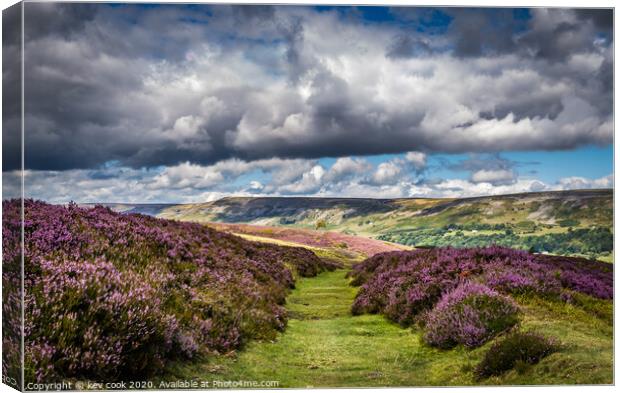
column 188, row 103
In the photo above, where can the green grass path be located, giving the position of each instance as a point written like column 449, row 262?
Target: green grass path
column 325, row 346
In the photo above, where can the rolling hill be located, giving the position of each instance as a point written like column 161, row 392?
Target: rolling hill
column 576, row 222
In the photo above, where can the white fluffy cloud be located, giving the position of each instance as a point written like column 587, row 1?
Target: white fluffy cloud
column 575, row 182
column 387, row 173
column 499, row 176
column 194, row 183
column 459, row 188
column 416, row 159
column 347, row 167
column 194, row 176
column 309, row 183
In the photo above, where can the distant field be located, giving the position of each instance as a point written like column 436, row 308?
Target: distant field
column 354, row 247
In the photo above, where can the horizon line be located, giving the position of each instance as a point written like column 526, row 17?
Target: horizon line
column 232, row 196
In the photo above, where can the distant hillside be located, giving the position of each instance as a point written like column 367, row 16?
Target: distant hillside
column 149, row 209
column 575, row 222
column 280, row 210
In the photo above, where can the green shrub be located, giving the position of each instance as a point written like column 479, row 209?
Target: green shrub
column 517, row 348
column 569, row 222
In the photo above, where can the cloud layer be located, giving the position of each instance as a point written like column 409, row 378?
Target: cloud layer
column 345, row 177
column 162, row 86
column 183, row 103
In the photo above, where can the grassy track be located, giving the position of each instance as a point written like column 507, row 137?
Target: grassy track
column 324, row 346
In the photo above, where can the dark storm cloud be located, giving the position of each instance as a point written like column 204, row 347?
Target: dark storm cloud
column 11, row 91
column 528, row 107
column 476, row 31
column 558, row 43
column 292, row 34
column 406, row 46
column 255, row 13
column 62, row 19
column 551, row 35
column 555, row 38
column 602, row 18
column 480, row 31
column 152, row 86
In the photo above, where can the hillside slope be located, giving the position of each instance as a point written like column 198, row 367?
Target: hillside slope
column 342, row 246
column 578, row 222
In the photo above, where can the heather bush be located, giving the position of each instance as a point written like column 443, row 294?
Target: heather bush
column 111, row 295
column 470, row 314
column 400, row 289
column 517, row 347
column 582, row 275
column 91, row 320
column 401, row 285
column 11, row 296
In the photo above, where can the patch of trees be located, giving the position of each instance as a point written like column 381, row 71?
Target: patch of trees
column 585, row 241
column 476, row 227
column 569, row 222
column 320, row 224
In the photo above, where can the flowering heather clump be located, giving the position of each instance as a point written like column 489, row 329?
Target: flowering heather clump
column 470, row 315
column 11, row 296
column 582, row 275
column 404, row 284
column 111, row 295
column 430, row 286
